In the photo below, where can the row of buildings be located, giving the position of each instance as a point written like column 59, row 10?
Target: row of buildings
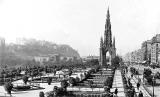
column 54, row 58
column 148, row 53
column 89, row 58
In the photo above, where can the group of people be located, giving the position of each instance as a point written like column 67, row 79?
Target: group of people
column 138, row 85
column 140, row 92
column 139, row 95
column 132, row 89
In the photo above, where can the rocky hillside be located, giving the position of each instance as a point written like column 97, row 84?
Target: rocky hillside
column 31, row 47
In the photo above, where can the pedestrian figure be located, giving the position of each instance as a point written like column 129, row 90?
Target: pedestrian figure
column 131, row 75
column 138, row 85
column 129, row 79
column 139, row 80
column 59, row 76
column 140, row 94
column 132, row 92
column 130, row 84
column 126, row 69
column 116, row 91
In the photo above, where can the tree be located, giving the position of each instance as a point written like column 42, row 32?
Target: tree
column 70, row 72
column 64, row 84
column 81, row 76
column 108, row 82
column 107, row 90
column 157, row 75
column 134, row 71
column 8, row 87
column 77, row 79
column 147, row 72
column 32, row 74
column 72, row 81
column 41, row 94
column 54, row 71
column 49, row 80
column 90, row 82
column 116, row 61
column 25, row 79
column 149, row 79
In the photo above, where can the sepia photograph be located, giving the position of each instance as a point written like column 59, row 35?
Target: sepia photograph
column 79, row 48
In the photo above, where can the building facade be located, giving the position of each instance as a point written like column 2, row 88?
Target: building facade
column 136, row 56
column 149, row 52
column 155, row 50
column 55, row 58
column 146, row 51
column 46, row 58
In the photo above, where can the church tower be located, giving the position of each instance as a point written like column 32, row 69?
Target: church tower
column 106, row 44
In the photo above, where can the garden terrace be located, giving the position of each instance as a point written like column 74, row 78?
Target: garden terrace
column 22, row 87
column 44, row 79
column 86, row 85
column 97, row 81
column 97, row 78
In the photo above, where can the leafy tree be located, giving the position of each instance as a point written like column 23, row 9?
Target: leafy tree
column 149, row 79
column 64, row 84
column 90, row 82
column 134, row 70
column 49, row 80
column 70, row 72
column 157, row 75
column 72, row 81
column 41, row 94
column 106, row 89
column 147, row 72
column 108, row 82
column 81, row 76
column 77, row 79
column 8, row 87
column 25, row 79
column 92, row 62
column 54, row 71
column 116, row 61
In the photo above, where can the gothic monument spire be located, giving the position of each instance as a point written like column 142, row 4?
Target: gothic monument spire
column 108, row 46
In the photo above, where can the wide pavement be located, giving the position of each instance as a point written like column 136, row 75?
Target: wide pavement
column 118, row 83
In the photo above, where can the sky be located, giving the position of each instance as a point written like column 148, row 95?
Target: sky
column 80, row 23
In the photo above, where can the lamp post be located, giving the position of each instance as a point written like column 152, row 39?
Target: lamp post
column 138, row 61
column 143, row 76
column 138, row 70
column 153, row 85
